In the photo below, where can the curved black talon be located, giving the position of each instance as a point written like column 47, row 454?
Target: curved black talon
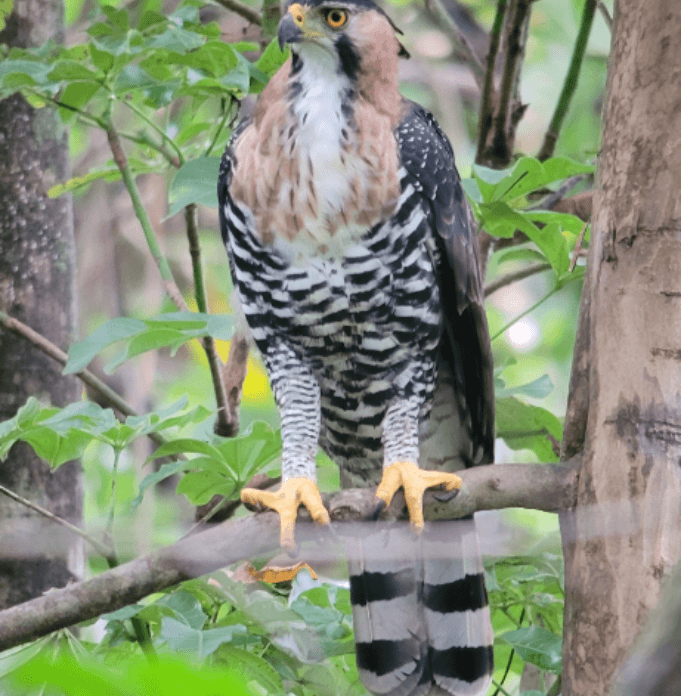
column 446, row 496
column 376, row 512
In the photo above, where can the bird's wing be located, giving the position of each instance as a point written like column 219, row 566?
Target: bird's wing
column 427, row 155
column 227, row 166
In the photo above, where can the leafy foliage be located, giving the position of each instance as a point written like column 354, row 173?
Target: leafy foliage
column 141, row 335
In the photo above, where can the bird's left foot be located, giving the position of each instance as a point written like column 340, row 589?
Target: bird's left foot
column 407, row 475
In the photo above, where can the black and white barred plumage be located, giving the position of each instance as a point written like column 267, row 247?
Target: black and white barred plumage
column 373, row 335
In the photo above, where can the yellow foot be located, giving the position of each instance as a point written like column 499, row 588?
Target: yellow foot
column 286, row 500
column 275, row 574
column 414, row 481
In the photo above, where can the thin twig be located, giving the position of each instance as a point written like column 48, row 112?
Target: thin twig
column 92, row 381
column 144, row 140
column 141, row 213
column 234, row 374
column 605, row 13
column 114, row 480
column 477, row 68
column 242, row 10
column 163, row 135
column 214, row 362
column 222, row 123
column 100, row 548
column 578, row 248
column 524, row 313
column 570, row 84
column 514, row 276
column 550, row 200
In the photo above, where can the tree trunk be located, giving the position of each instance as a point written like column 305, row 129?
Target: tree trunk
column 624, row 533
column 37, row 287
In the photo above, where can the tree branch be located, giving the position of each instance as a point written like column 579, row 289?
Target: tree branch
column 440, row 12
column 508, row 278
column 141, row 213
column 253, row 16
column 108, row 395
column 488, row 92
column 102, row 549
column 224, row 415
column 545, row 487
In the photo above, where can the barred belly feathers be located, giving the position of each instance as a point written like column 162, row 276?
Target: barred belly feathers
column 352, row 254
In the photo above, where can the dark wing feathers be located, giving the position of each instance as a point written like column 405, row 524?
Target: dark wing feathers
column 427, row 155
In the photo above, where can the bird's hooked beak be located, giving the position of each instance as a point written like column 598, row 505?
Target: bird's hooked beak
column 292, row 25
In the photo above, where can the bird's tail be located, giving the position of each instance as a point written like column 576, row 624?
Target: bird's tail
column 420, row 611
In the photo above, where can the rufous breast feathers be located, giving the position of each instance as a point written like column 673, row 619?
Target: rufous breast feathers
column 318, row 170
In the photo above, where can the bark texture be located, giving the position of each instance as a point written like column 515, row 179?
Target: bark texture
column 623, row 535
column 36, row 287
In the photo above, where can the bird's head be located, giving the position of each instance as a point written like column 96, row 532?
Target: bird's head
column 347, row 29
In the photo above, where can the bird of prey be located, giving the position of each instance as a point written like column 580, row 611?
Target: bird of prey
column 355, row 264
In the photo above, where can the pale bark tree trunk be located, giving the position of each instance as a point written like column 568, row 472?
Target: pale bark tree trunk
column 37, row 254
column 624, row 533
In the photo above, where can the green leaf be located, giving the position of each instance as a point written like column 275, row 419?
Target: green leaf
column 191, row 131
column 14, row 658
column 195, row 182
column 200, row 486
column 151, row 18
column 56, row 435
column 527, row 175
column 538, row 389
column 185, row 446
column 167, row 330
column 525, row 254
column 119, row 18
column 186, row 607
column 76, row 95
column 472, row 190
column 537, row 646
column 124, row 613
column 526, row 427
column 29, row 72
column 164, row 472
column 252, row 451
column 113, row 330
column 487, row 179
column 135, row 677
column 176, row 39
column 184, row 638
column 214, row 58
column 500, row 220
column 272, row 58
column 571, row 223
column 70, row 71
column 253, row 668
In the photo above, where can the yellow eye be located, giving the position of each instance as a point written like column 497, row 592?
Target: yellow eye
column 336, row 18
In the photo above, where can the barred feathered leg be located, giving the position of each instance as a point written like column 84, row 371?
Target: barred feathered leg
column 298, row 398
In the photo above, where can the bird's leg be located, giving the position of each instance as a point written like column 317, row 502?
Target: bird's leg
column 298, row 398
column 400, row 465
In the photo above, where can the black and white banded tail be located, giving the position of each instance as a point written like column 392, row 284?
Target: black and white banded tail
column 420, row 611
